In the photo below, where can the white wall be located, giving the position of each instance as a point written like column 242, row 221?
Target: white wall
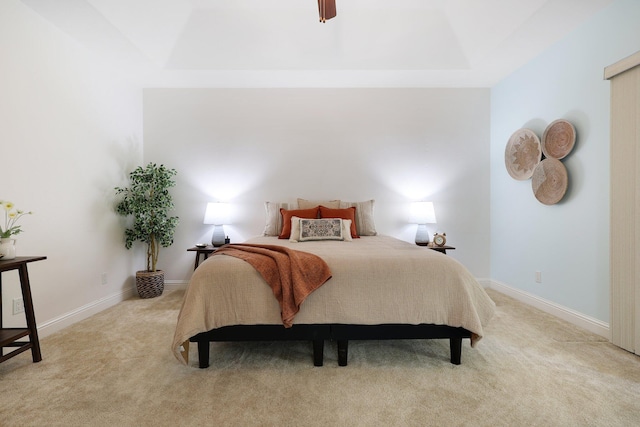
column 69, row 132
column 246, row 146
column 567, row 242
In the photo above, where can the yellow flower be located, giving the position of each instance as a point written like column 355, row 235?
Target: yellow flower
column 11, row 216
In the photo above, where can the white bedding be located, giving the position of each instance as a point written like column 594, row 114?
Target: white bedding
column 375, row 280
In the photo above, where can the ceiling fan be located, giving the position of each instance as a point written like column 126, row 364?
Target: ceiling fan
column 327, row 9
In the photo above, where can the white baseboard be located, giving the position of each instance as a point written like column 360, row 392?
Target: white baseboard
column 591, row 324
column 175, row 284
column 82, row 313
column 486, row 283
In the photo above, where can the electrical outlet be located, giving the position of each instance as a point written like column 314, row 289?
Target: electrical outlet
column 18, row 305
column 538, row 277
column 103, row 279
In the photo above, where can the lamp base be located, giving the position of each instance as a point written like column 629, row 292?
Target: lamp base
column 218, row 236
column 422, row 235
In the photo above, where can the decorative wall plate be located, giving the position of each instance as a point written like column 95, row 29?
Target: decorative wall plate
column 558, row 139
column 549, row 181
column 523, row 153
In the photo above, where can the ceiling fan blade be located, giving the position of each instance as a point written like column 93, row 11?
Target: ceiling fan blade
column 327, row 9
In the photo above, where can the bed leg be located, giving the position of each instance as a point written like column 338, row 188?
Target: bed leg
column 203, row 354
column 343, row 352
column 456, row 350
column 318, row 352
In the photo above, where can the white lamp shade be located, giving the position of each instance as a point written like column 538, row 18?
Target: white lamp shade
column 217, row 213
column 422, row 213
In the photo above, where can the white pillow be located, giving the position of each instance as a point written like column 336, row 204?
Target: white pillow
column 273, row 224
column 346, row 230
column 365, row 226
column 308, row 204
column 295, row 229
column 296, row 224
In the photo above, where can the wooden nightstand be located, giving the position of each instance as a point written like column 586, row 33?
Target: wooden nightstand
column 442, row 249
column 206, row 251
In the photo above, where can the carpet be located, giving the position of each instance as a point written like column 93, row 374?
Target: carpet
column 116, row 369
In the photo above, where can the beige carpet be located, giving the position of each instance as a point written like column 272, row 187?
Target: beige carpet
column 116, row 369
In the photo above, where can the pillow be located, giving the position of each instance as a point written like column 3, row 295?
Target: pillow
column 320, row 229
column 273, row 225
column 347, row 213
column 346, row 230
column 365, row 225
column 295, row 230
column 308, row 204
column 286, row 219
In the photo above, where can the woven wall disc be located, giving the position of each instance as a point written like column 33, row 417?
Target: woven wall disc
column 558, row 139
column 550, row 181
column 522, row 154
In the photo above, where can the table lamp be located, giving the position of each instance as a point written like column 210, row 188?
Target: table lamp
column 217, row 214
column 422, row 213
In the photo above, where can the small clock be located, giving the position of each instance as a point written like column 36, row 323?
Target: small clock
column 440, row 239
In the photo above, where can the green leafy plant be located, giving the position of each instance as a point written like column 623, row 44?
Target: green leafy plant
column 148, row 200
column 11, row 216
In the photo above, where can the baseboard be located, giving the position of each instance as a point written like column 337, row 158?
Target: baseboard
column 485, row 283
column 82, row 313
column 175, row 284
column 591, row 324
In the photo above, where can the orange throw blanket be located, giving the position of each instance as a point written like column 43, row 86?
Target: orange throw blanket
column 291, row 274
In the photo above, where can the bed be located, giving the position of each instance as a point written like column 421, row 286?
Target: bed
column 380, row 288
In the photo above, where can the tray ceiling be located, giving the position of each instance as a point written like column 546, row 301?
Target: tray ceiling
column 452, row 43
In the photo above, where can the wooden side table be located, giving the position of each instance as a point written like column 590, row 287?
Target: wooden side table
column 9, row 336
column 437, row 248
column 206, row 251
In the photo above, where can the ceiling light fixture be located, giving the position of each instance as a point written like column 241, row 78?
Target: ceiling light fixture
column 327, row 9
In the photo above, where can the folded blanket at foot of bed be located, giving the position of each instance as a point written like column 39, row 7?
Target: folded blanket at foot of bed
column 291, row 274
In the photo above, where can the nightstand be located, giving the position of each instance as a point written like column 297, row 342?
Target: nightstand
column 206, row 251
column 436, row 248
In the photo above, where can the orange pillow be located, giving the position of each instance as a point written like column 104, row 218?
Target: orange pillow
column 347, row 213
column 300, row 213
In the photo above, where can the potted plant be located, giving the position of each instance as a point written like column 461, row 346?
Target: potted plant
column 148, row 201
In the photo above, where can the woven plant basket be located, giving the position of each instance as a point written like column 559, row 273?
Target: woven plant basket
column 150, row 284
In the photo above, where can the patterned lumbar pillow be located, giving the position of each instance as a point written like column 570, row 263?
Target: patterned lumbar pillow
column 295, row 229
column 320, row 229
